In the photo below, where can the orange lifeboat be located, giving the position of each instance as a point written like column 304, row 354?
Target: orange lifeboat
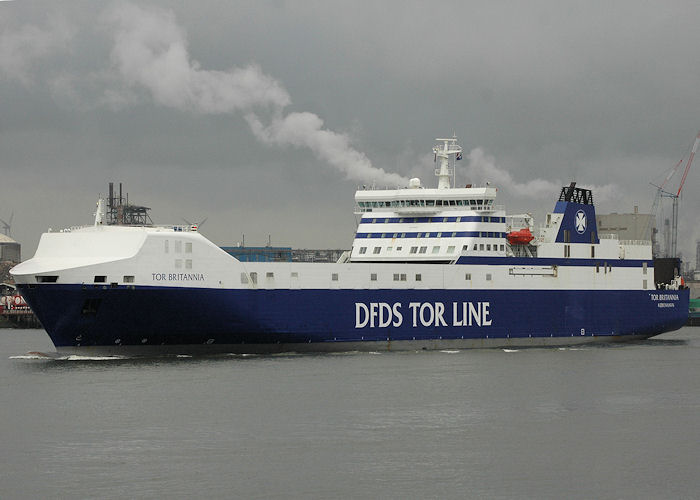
column 520, row 237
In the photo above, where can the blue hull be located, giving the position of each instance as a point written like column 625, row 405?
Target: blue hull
column 76, row 316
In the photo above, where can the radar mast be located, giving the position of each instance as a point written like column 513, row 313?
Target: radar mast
column 442, row 154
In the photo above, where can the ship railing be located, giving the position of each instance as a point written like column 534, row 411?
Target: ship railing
column 180, row 227
column 635, row 242
column 426, row 210
column 173, row 227
column 373, row 187
column 69, row 229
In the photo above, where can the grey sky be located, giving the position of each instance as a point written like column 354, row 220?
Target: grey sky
column 265, row 116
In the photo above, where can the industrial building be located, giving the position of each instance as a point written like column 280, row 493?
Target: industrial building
column 10, row 250
column 634, row 226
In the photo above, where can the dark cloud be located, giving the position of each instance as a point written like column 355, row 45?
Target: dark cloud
column 540, row 93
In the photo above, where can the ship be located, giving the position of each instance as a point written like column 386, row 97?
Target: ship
column 440, row 267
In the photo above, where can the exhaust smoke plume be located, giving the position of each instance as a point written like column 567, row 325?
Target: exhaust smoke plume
column 150, row 52
column 482, row 167
column 21, row 47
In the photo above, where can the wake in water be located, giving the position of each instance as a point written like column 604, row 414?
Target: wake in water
column 35, row 355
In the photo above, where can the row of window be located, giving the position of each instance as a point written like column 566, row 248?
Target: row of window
column 452, row 234
column 178, row 246
column 418, row 220
column 253, row 277
column 100, row 278
column 425, row 203
column 436, row 249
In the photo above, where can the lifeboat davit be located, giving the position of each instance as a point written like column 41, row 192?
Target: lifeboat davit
column 520, row 237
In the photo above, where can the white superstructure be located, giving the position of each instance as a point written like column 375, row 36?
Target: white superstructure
column 407, row 238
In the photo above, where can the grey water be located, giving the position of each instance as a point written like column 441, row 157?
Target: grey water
column 612, row 421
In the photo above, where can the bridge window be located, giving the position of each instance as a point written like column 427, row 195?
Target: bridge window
column 244, row 278
column 419, row 277
column 97, row 279
column 373, row 277
column 334, row 277
column 488, row 276
column 423, row 249
column 451, row 249
column 436, row 249
column 188, row 247
column 398, row 249
column 128, row 279
column 468, row 276
column 377, row 250
column 413, row 249
column 363, row 250
column 254, row 278
column 188, row 263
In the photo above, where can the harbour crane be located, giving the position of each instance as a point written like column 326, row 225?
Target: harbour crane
column 661, row 192
column 7, row 225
